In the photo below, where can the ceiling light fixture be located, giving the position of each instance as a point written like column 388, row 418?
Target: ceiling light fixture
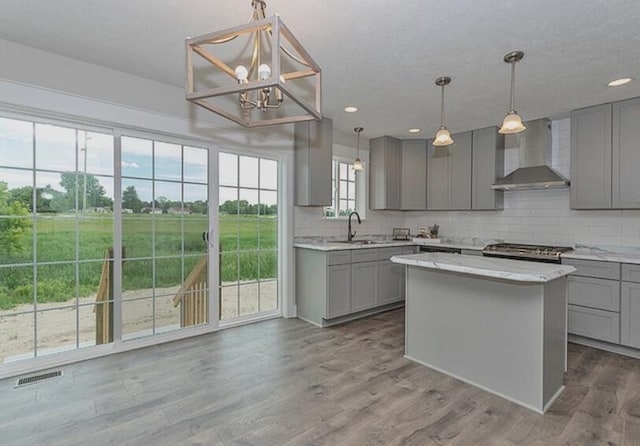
column 268, row 63
column 618, row 82
column 357, row 164
column 415, row 130
column 512, row 123
column 351, row 109
column 443, row 137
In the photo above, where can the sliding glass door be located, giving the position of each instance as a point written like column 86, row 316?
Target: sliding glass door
column 107, row 238
column 248, row 236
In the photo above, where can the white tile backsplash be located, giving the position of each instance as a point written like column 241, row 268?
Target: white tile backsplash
column 537, row 216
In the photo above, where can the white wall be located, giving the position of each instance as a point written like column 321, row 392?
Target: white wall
column 538, row 216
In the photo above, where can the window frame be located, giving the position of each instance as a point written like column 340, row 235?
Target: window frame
column 359, row 182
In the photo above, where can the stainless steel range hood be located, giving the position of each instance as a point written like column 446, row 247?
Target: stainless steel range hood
column 535, row 156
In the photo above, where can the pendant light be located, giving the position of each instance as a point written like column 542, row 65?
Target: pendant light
column 443, row 137
column 357, row 164
column 512, row 123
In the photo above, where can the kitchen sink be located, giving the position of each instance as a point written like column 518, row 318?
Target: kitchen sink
column 359, row 242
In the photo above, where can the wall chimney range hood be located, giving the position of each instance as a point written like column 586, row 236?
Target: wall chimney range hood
column 535, row 157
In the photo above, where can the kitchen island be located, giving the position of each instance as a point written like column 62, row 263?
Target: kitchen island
column 498, row 324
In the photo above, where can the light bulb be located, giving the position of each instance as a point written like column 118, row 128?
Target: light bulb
column 512, row 123
column 264, row 71
column 443, row 137
column 357, row 165
column 242, row 73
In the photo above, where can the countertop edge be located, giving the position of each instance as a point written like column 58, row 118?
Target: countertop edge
column 603, row 257
column 544, row 277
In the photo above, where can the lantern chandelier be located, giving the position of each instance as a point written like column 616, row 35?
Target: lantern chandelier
column 259, row 75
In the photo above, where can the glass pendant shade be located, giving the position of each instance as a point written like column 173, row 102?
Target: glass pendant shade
column 512, row 123
column 443, row 137
column 357, row 163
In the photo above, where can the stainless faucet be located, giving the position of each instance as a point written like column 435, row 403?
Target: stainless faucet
column 351, row 235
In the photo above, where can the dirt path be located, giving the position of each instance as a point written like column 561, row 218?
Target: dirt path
column 57, row 327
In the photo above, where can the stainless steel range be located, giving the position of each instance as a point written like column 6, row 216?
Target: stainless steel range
column 535, row 253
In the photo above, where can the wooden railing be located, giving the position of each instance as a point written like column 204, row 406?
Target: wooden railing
column 104, row 302
column 193, row 296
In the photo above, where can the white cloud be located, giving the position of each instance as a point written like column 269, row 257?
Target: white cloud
column 132, row 165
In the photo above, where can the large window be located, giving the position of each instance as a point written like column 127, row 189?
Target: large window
column 345, row 197
column 56, row 225
column 164, row 215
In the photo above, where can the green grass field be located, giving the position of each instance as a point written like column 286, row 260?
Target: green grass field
column 248, row 251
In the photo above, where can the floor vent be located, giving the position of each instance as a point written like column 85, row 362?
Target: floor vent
column 37, row 378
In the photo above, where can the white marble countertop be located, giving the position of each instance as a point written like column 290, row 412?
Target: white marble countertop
column 336, row 246
column 479, row 246
column 621, row 257
column 506, row 269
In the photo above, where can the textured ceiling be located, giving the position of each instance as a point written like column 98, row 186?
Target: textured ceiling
column 380, row 55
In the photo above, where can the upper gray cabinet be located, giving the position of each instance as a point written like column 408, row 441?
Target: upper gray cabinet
column 313, row 143
column 605, row 155
column 626, row 154
column 449, row 174
column 385, row 173
column 413, row 182
column 591, row 157
column 487, row 167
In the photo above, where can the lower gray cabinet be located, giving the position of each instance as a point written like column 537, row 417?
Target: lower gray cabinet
column 364, row 289
column 603, row 294
column 390, row 282
column 335, row 284
column 338, row 290
column 595, row 324
column 630, row 315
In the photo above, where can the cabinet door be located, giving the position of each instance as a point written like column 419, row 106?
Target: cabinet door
column 385, row 163
column 460, row 174
column 591, row 158
column 414, row 174
column 364, row 281
column 590, row 292
column 390, row 282
column 438, row 173
column 313, row 144
column 630, row 314
column 626, row 154
column 488, row 165
column 338, row 290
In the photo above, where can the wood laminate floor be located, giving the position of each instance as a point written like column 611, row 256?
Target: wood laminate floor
column 285, row 382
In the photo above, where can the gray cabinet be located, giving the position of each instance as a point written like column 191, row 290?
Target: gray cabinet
column 630, row 315
column 385, row 170
column 338, row 290
column 595, row 324
column 364, row 289
column 487, row 167
column 626, row 154
column 390, row 282
column 593, row 294
column 591, row 158
column 413, row 175
column 605, row 154
column 331, row 286
column 449, row 174
column 313, row 147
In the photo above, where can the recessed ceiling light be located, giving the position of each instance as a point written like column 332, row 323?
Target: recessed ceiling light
column 618, row 82
column 415, row 130
column 351, row 109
